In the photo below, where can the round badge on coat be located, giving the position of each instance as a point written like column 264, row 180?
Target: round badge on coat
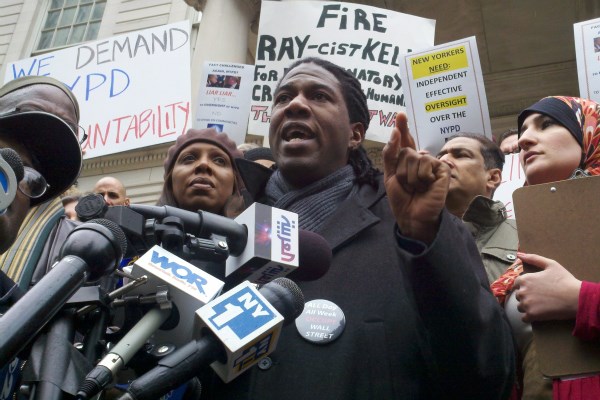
column 321, row 321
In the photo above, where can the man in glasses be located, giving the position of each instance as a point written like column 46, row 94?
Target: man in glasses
column 38, row 119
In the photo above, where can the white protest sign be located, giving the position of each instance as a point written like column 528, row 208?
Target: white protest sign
column 587, row 50
column 367, row 41
column 513, row 178
column 224, row 99
column 445, row 93
column 133, row 89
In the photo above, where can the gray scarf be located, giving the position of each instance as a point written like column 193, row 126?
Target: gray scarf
column 315, row 202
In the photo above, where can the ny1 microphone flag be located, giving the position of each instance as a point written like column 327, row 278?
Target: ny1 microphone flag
column 272, row 247
column 247, row 325
column 189, row 288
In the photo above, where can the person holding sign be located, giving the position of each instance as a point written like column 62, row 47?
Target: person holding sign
column 405, row 311
column 558, row 137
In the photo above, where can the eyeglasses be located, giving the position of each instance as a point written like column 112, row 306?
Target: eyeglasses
column 33, row 184
column 79, row 132
column 84, row 135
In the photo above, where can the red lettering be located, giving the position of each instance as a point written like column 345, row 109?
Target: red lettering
column 160, row 121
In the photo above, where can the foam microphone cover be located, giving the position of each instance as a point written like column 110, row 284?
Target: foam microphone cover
column 91, row 206
column 314, row 257
column 13, row 159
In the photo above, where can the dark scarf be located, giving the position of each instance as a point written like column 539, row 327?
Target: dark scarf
column 315, row 202
column 565, row 110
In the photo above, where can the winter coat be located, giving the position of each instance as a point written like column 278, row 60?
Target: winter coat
column 420, row 322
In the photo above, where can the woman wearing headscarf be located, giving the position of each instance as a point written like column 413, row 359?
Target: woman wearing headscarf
column 559, row 138
column 200, row 174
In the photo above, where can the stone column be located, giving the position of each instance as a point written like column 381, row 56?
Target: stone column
column 222, row 36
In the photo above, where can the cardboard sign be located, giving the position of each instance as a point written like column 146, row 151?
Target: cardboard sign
column 367, row 41
column 587, row 50
column 445, row 93
column 133, row 89
column 513, row 178
column 224, row 99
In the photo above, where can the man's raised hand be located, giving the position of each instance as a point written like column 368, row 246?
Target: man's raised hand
column 416, row 184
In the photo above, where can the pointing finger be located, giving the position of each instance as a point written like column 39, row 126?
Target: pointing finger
column 406, row 139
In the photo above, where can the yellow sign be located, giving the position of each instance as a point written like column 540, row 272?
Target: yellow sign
column 439, row 62
column 451, row 102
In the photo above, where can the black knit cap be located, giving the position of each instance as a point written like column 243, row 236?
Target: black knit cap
column 557, row 109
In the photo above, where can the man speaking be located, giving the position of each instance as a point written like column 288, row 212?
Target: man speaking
column 405, row 311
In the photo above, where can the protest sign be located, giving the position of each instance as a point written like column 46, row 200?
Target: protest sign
column 445, row 93
column 513, row 178
column 133, row 89
column 367, row 41
column 587, row 50
column 224, row 99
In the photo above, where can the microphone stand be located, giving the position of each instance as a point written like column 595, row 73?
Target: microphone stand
column 97, row 331
column 56, row 358
column 55, row 368
column 95, row 334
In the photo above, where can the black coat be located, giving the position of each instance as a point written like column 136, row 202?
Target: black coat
column 417, row 326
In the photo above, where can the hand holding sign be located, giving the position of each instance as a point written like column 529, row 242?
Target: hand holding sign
column 416, row 184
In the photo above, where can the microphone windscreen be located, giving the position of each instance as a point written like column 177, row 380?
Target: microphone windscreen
column 15, row 162
column 115, row 230
column 91, row 206
column 314, row 255
column 289, row 300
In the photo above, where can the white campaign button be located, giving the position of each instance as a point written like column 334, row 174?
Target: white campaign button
column 321, row 321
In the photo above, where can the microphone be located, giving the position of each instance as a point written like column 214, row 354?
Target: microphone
column 242, row 326
column 200, row 224
column 105, row 371
column 265, row 242
column 90, row 251
column 314, row 259
column 272, row 245
column 11, row 173
column 91, row 206
column 189, row 289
